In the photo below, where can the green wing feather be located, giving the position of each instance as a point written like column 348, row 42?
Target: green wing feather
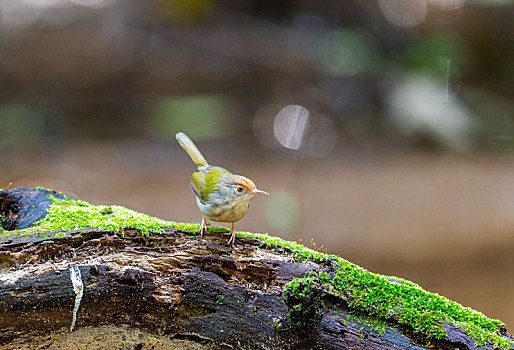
column 197, row 180
column 205, row 181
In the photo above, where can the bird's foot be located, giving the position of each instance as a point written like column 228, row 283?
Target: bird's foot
column 232, row 238
column 203, row 226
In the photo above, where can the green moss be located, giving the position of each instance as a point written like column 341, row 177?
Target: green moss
column 384, row 299
column 47, row 189
column 303, row 299
column 388, row 298
column 369, row 323
column 70, row 214
column 299, row 251
column 67, row 214
column 277, row 324
column 396, row 300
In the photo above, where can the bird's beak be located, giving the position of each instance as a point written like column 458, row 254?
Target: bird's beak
column 256, row 191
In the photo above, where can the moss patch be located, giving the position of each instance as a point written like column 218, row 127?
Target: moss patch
column 304, row 301
column 70, row 214
column 385, row 299
column 66, row 214
column 2, row 222
column 395, row 300
column 299, row 251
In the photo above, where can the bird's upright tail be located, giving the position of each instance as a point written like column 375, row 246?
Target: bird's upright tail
column 191, row 149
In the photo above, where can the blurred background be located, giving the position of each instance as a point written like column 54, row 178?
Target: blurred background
column 383, row 129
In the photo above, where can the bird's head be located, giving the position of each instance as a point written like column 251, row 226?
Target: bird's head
column 240, row 187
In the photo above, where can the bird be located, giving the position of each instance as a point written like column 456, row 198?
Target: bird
column 220, row 195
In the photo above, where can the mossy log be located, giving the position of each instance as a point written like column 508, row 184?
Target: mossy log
column 171, row 290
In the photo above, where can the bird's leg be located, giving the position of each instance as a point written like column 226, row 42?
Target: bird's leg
column 203, row 225
column 232, row 238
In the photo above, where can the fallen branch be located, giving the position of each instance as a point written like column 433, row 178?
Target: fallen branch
column 170, row 286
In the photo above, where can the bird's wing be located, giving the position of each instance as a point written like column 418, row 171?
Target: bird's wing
column 193, row 189
column 204, row 181
column 198, row 183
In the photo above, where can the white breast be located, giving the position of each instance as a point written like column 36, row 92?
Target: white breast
column 224, row 213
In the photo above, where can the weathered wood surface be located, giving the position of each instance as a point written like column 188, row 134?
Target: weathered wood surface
column 21, row 207
column 176, row 286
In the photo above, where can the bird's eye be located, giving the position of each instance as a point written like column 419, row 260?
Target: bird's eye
column 239, row 189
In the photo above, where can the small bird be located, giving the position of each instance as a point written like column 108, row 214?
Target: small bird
column 221, row 196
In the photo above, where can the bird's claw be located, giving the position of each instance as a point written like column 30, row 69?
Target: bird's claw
column 232, row 238
column 203, row 225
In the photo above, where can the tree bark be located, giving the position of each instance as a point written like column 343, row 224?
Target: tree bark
column 167, row 288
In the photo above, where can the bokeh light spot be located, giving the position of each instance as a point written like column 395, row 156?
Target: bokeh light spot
column 92, row 3
column 282, row 212
column 431, row 54
column 348, row 53
column 290, row 125
column 18, row 14
column 447, row 5
column 421, row 109
column 200, row 116
column 404, row 13
column 20, row 124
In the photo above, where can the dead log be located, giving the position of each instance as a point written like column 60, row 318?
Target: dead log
column 168, row 289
